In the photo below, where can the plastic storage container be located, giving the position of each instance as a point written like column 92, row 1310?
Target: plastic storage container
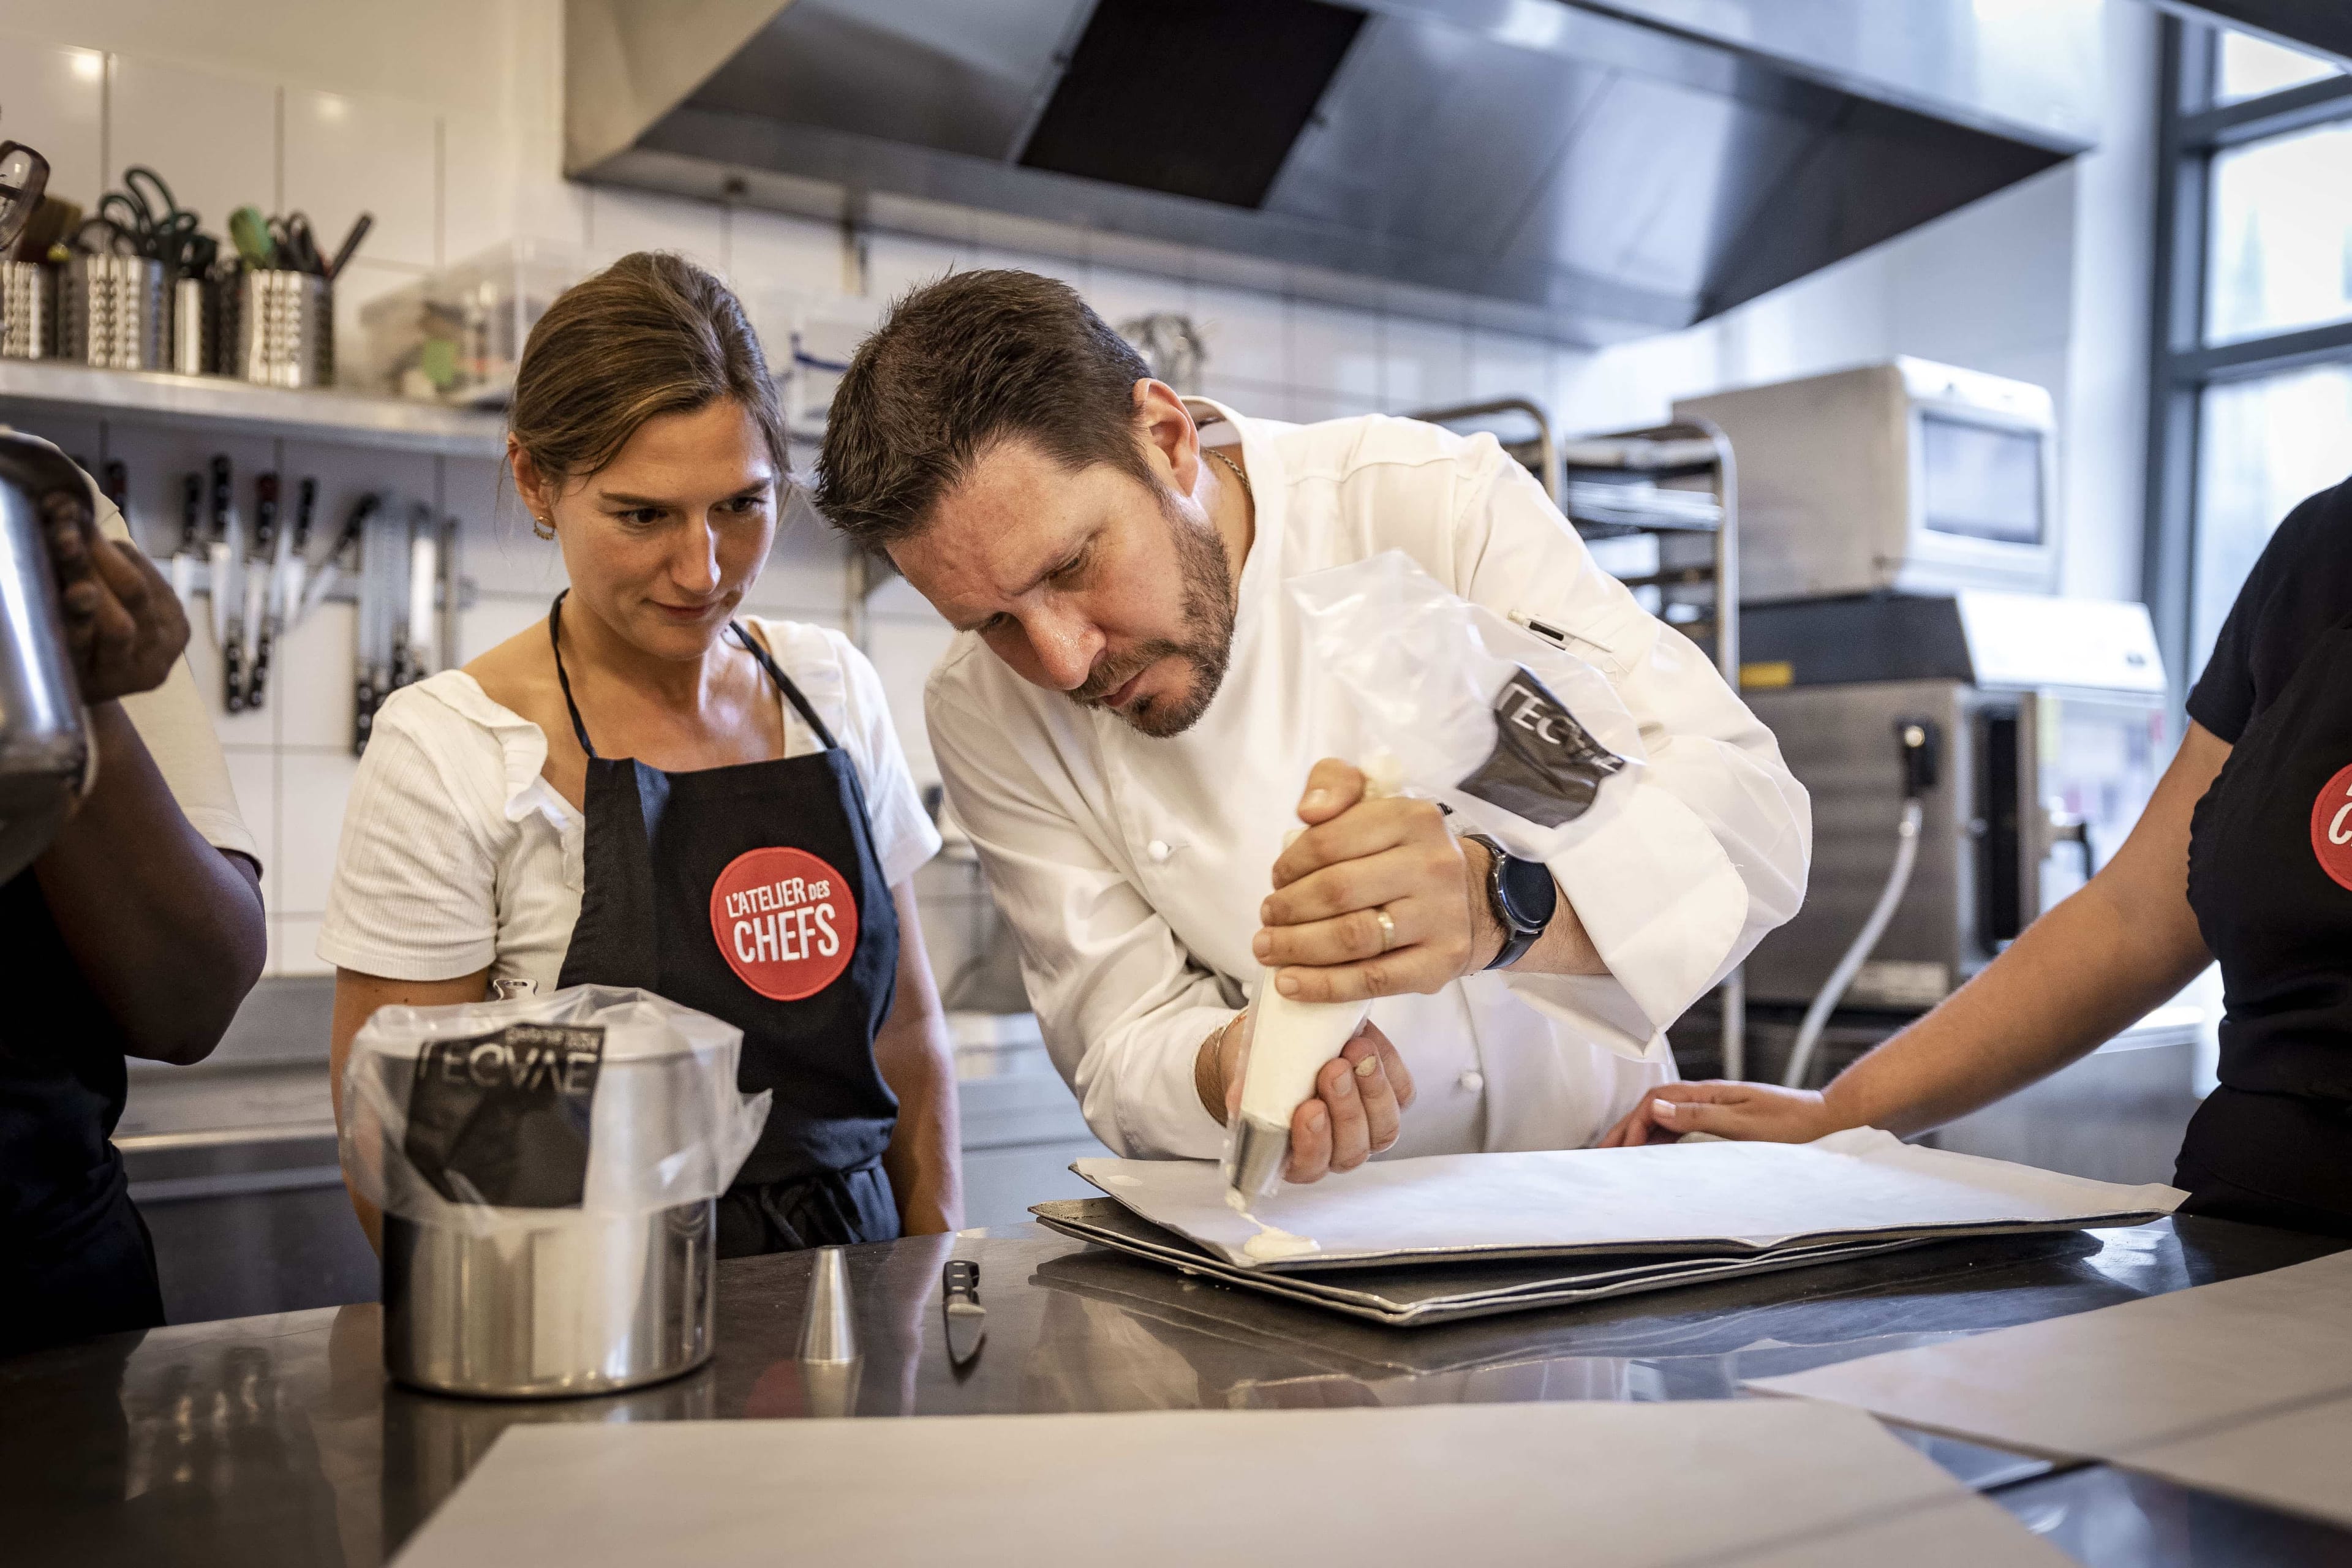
column 456, row 336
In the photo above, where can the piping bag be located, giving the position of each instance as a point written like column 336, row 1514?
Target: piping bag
column 1289, row 1043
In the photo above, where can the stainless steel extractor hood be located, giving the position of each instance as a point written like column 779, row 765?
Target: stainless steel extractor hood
column 1589, row 171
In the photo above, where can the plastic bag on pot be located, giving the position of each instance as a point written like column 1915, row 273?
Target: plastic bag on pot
column 596, row 1098
column 1516, row 735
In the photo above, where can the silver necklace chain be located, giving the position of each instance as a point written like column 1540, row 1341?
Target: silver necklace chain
column 1236, row 467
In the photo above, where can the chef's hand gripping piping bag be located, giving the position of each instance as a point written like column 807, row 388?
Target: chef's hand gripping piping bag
column 1512, row 734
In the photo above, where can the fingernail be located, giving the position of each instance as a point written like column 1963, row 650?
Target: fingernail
column 1287, row 984
column 1317, row 1116
column 1265, row 913
column 1661, row 1108
column 1368, row 1067
column 1263, row 946
column 1316, row 800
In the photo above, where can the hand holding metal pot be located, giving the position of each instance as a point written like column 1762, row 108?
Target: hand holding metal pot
column 123, row 625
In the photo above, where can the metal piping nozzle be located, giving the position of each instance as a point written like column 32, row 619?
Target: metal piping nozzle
column 828, row 1334
column 1255, row 1152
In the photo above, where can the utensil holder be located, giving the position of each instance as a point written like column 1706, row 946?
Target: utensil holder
column 116, row 313
column 195, row 349
column 284, row 330
column 29, row 310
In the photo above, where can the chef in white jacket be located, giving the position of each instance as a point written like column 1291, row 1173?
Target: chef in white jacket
column 1129, row 727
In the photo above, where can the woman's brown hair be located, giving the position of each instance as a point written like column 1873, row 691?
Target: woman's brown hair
column 651, row 334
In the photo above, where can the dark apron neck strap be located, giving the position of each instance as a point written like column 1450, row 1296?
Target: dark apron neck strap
column 784, row 684
column 775, row 673
column 562, row 679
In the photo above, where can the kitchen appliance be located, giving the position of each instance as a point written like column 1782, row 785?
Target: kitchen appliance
column 1908, row 476
column 45, row 749
column 2051, row 720
column 1589, row 173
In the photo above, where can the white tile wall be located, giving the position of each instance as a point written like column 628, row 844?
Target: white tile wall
column 347, row 154
column 211, row 135
column 620, row 222
column 53, row 97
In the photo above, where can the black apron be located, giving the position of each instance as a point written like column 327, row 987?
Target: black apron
column 752, row 893
column 2270, row 880
column 75, row 1258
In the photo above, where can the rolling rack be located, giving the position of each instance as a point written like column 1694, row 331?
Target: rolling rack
column 1675, row 489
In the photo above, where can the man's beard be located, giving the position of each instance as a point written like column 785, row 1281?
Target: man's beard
column 1208, row 582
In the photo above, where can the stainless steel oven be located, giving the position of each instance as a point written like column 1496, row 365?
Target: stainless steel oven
column 2049, row 721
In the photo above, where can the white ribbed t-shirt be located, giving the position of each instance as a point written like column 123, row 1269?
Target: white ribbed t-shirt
column 458, row 855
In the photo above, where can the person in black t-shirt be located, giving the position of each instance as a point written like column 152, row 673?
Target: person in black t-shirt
column 129, row 935
column 2244, row 855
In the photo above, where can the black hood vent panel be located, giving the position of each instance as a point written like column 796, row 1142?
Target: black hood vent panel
column 1201, row 99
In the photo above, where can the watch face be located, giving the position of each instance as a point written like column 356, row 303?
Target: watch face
column 1528, row 893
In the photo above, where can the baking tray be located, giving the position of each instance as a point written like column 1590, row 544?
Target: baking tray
column 1413, row 1295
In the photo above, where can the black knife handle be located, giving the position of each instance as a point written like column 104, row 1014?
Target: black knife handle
column 257, row 684
column 222, row 498
column 307, row 502
column 191, row 510
column 960, row 1278
column 233, row 674
column 265, row 517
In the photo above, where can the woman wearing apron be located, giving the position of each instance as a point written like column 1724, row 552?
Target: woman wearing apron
column 646, row 788
column 2244, row 855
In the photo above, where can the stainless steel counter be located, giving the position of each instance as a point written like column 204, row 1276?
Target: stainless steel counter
column 276, row 1440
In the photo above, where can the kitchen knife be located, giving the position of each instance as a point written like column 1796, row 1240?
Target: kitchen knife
column 423, row 580
column 222, row 558
column 260, row 568
column 191, row 552
column 294, row 559
column 331, row 570
column 967, row 1319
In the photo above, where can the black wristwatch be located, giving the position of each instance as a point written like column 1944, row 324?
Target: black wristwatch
column 1523, row 897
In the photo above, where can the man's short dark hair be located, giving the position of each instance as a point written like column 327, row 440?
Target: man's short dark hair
column 961, row 364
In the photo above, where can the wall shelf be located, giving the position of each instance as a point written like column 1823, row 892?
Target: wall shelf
column 230, row 406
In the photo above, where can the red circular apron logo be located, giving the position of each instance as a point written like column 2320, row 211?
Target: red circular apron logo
column 2331, row 828
column 785, row 920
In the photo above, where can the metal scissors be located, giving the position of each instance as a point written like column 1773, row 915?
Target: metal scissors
column 297, row 246
column 24, row 175
column 155, row 224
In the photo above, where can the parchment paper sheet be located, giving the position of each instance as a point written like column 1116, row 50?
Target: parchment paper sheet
column 1781, row 1483
column 2243, row 1387
column 1718, row 1197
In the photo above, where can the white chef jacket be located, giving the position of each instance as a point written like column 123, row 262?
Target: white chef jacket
column 1131, row 869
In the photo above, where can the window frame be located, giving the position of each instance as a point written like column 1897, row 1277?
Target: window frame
column 2190, row 131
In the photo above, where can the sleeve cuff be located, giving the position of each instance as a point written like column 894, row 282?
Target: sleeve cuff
column 406, row 964
column 1152, row 1110
column 1665, row 908
column 910, row 852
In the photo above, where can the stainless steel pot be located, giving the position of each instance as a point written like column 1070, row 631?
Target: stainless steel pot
column 547, row 1303
column 44, row 744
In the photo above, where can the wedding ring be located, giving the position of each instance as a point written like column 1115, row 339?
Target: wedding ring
column 1388, row 930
